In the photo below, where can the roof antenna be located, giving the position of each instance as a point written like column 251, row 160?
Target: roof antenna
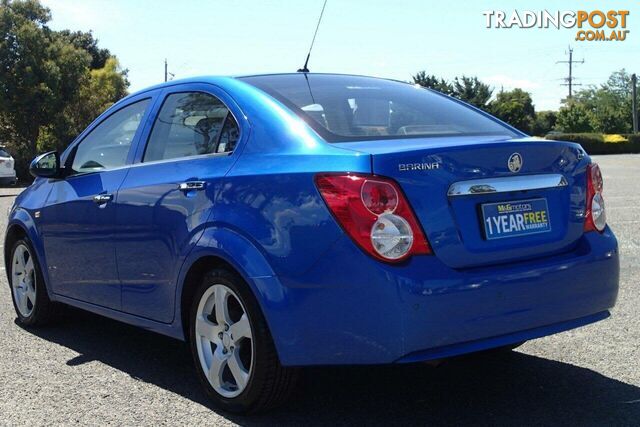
column 305, row 69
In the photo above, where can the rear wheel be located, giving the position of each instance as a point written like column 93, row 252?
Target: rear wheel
column 28, row 291
column 232, row 348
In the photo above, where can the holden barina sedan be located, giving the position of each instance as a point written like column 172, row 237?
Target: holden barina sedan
column 282, row 221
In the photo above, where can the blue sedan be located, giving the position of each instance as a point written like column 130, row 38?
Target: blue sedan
column 281, row 221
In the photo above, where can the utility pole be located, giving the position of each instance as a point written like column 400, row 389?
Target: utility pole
column 634, row 102
column 569, row 80
column 167, row 75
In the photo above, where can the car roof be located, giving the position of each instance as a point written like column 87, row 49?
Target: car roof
column 320, row 74
column 220, row 80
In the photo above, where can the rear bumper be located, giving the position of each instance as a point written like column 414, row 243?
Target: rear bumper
column 350, row 309
column 502, row 340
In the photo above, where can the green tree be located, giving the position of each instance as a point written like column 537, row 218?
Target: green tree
column 619, row 83
column 100, row 88
column 468, row 89
column 49, row 90
column 514, row 107
column 544, row 122
column 609, row 105
column 38, row 72
column 85, row 41
column 432, row 82
column 472, row 90
column 574, row 117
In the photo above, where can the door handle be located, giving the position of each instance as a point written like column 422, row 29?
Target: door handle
column 101, row 199
column 192, row 185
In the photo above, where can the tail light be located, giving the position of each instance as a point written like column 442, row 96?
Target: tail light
column 374, row 212
column 595, row 216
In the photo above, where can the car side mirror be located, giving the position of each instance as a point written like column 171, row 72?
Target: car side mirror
column 46, row 165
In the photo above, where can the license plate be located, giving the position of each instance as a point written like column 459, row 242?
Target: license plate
column 511, row 219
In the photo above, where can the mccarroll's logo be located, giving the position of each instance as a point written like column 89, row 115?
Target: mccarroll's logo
column 515, row 162
column 594, row 25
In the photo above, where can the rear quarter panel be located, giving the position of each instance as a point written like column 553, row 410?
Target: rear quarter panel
column 269, row 195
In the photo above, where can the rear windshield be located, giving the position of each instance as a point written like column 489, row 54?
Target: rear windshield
column 352, row 108
column 4, row 153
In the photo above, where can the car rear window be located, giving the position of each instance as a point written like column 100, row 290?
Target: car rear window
column 353, row 108
column 4, row 153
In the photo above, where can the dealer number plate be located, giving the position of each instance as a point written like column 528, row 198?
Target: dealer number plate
column 511, row 219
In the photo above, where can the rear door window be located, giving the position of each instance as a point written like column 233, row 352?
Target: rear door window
column 191, row 124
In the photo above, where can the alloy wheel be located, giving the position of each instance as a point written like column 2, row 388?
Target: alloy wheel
column 224, row 341
column 23, row 280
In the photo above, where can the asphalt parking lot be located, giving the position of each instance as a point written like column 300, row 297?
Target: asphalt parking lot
column 91, row 370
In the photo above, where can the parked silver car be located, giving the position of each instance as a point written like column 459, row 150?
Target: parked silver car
column 7, row 170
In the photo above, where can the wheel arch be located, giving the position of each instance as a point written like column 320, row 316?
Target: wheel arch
column 190, row 284
column 14, row 233
column 224, row 247
column 22, row 225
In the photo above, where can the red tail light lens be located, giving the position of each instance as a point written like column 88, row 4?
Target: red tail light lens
column 379, row 196
column 375, row 214
column 595, row 215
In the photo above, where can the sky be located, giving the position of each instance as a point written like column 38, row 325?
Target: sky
column 392, row 39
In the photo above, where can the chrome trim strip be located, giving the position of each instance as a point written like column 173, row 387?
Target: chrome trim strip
column 506, row 184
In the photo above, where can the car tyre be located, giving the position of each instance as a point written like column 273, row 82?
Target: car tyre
column 232, row 348
column 28, row 291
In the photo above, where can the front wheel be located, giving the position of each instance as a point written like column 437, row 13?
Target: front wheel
column 232, row 348
column 28, row 290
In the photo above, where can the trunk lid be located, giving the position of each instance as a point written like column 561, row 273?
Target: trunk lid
column 461, row 187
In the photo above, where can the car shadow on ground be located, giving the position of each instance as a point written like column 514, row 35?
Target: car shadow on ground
column 504, row 389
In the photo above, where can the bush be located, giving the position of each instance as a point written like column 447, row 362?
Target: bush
column 580, row 138
column 633, row 138
column 596, row 143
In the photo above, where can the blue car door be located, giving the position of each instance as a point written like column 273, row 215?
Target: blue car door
column 78, row 219
column 165, row 200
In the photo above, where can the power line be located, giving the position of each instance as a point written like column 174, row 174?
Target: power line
column 569, row 80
